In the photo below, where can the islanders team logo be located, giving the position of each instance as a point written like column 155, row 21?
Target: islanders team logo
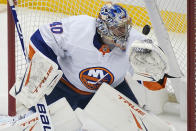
column 93, row 77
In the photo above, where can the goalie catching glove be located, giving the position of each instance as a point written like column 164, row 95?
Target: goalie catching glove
column 148, row 61
column 40, row 78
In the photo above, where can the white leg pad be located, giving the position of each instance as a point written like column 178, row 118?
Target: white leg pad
column 29, row 123
column 88, row 124
column 115, row 112
column 63, row 117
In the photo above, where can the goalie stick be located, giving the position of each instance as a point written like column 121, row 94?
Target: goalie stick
column 41, row 107
column 18, row 27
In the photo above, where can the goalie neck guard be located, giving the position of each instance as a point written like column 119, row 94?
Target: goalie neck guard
column 114, row 24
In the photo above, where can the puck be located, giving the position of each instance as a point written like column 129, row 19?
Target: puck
column 146, row 29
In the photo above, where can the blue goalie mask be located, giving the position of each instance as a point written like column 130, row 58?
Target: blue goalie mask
column 114, row 24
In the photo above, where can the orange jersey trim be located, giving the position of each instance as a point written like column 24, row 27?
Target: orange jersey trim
column 74, row 88
column 31, row 52
column 155, row 85
column 104, row 49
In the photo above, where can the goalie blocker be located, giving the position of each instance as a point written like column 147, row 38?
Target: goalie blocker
column 39, row 79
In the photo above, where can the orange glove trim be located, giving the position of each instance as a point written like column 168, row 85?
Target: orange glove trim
column 155, row 85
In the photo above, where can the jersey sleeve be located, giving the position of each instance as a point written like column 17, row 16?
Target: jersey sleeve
column 50, row 39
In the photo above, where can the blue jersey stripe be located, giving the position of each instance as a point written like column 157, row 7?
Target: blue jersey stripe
column 41, row 45
column 97, row 41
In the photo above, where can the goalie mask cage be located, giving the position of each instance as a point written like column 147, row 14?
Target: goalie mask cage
column 33, row 13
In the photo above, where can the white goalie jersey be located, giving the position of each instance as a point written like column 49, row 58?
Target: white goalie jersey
column 74, row 45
